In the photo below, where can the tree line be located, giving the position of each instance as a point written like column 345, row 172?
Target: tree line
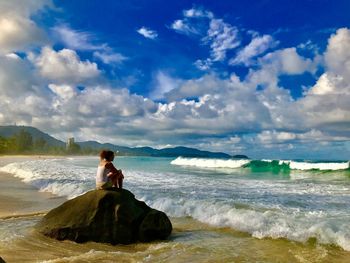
column 23, row 143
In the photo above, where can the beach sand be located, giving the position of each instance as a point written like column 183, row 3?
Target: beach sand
column 18, row 198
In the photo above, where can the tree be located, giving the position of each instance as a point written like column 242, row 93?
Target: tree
column 73, row 148
column 40, row 144
column 24, row 141
column 3, row 145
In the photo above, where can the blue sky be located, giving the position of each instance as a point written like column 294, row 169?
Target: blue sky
column 265, row 78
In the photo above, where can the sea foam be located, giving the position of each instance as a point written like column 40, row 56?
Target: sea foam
column 209, row 163
column 289, row 224
column 51, row 176
column 318, row 166
column 233, row 164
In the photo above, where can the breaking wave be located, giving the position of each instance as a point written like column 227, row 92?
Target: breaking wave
column 261, row 164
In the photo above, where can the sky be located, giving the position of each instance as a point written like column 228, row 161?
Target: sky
column 268, row 78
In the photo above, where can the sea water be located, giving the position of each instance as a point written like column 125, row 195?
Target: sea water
column 222, row 210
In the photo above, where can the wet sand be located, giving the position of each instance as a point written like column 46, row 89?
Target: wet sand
column 18, row 198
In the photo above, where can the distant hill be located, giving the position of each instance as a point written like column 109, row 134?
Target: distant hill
column 8, row 131
column 148, row 151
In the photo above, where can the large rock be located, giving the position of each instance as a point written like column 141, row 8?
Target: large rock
column 108, row 216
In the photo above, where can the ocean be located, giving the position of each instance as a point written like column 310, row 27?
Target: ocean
column 221, row 210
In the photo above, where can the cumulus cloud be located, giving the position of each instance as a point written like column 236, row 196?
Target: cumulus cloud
column 16, row 78
column 337, row 56
column 164, row 84
column 18, row 32
column 285, row 141
column 271, row 137
column 280, row 62
column 329, row 83
column 64, row 66
column 147, row 33
column 326, row 103
column 288, row 61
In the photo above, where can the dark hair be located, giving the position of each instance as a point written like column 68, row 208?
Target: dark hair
column 107, row 154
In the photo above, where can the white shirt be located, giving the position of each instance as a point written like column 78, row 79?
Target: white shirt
column 101, row 176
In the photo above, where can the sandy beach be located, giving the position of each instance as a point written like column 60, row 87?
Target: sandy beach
column 18, row 198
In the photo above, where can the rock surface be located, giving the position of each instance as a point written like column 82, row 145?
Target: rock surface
column 108, row 216
column 1, row 260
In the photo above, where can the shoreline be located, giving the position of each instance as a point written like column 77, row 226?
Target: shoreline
column 18, row 198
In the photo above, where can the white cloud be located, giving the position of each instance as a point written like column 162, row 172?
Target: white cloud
column 326, row 104
column 270, row 137
column 74, row 39
column 257, row 46
column 280, row 62
column 18, row 32
column 273, row 138
column 86, row 41
column 12, row 55
column 336, row 80
column 221, row 37
column 288, row 61
column 16, row 78
column 64, row 66
column 109, row 58
column 329, row 83
column 164, row 84
column 204, row 64
column 337, row 56
column 64, row 92
column 193, row 22
column 147, row 33
column 184, row 27
column 196, row 12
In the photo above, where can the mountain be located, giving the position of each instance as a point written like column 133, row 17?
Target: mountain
column 148, row 151
column 8, row 131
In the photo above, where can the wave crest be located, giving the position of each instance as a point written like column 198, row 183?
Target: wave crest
column 261, row 164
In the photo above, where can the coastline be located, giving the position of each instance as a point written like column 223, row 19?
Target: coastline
column 18, row 198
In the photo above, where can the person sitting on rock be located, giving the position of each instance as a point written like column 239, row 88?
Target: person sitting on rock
column 107, row 175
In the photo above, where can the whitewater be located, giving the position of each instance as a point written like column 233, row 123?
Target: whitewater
column 294, row 200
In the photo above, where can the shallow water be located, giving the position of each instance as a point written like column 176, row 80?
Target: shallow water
column 219, row 214
column 191, row 241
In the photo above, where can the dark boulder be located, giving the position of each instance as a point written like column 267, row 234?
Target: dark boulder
column 108, row 216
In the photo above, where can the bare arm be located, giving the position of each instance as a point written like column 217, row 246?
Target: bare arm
column 111, row 168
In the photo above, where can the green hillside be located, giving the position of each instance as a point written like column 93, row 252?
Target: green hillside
column 30, row 140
